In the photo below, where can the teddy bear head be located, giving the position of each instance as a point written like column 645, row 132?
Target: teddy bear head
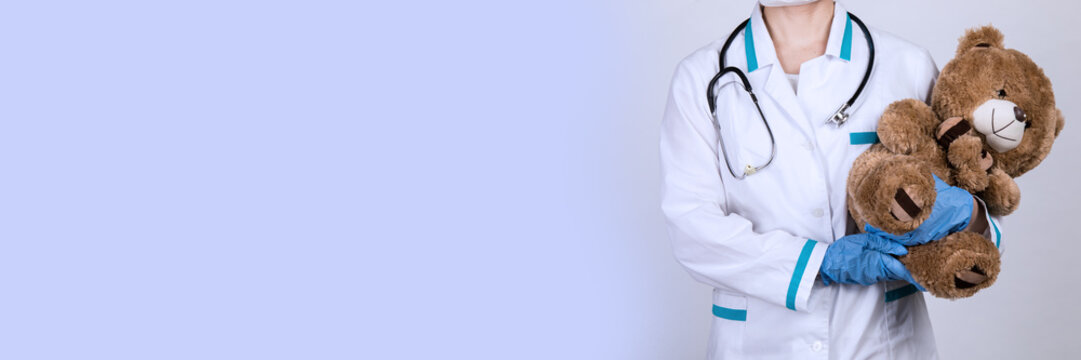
column 1003, row 96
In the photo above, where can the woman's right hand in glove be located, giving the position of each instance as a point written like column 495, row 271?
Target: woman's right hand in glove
column 864, row 259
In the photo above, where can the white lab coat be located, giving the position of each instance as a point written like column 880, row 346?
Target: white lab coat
column 760, row 241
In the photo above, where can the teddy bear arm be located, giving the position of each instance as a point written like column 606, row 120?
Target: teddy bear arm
column 907, row 127
column 969, row 163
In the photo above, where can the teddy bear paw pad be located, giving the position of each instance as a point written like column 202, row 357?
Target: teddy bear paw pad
column 965, row 279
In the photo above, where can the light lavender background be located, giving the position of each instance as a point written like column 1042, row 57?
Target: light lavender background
column 365, row 180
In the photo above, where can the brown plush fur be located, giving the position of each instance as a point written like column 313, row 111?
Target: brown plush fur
column 876, row 177
column 977, row 73
column 909, row 153
column 935, row 264
column 968, row 173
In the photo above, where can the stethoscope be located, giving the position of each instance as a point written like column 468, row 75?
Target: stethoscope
column 838, row 118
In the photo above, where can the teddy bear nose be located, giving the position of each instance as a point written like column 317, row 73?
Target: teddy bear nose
column 1018, row 113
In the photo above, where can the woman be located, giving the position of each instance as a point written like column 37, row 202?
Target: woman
column 791, row 277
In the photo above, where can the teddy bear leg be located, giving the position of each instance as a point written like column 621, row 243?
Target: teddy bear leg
column 956, row 266
column 891, row 192
column 1001, row 195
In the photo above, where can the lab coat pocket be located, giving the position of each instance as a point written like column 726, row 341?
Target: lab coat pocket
column 859, row 139
column 861, row 129
column 729, row 322
column 904, row 305
column 906, row 312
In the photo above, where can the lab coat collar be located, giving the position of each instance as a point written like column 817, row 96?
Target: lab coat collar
column 839, row 44
column 759, row 44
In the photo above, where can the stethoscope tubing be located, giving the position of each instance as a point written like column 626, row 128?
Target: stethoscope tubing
column 839, row 117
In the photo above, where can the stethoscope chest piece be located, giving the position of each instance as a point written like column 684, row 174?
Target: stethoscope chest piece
column 840, row 116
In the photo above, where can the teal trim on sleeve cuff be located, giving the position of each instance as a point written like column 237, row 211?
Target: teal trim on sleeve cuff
column 797, row 274
column 846, row 43
column 748, row 43
column 863, row 138
column 901, row 292
column 998, row 234
column 730, row 314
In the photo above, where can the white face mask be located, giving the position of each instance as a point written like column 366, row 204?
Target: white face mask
column 777, row 3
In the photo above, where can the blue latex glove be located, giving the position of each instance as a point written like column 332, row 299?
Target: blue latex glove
column 951, row 213
column 864, row 259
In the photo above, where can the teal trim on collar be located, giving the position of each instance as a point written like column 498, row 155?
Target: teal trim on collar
column 998, row 234
column 748, row 42
column 901, row 292
column 862, row 138
column 730, row 314
column 797, row 274
column 846, row 44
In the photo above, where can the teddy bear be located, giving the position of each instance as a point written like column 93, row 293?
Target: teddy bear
column 992, row 117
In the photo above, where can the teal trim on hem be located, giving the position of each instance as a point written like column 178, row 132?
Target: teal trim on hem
column 730, row 314
column 846, row 43
column 863, row 138
column 748, row 42
column 901, row 292
column 998, row 234
column 797, row 274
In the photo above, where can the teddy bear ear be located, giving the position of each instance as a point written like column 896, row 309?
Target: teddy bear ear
column 984, row 36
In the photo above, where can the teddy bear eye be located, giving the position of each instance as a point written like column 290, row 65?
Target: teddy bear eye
column 1001, row 92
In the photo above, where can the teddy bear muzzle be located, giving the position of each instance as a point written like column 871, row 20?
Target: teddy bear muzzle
column 1001, row 122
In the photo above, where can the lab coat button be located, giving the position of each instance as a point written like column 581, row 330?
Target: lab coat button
column 818, row 212
column 808, row 146
column 817, row 346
